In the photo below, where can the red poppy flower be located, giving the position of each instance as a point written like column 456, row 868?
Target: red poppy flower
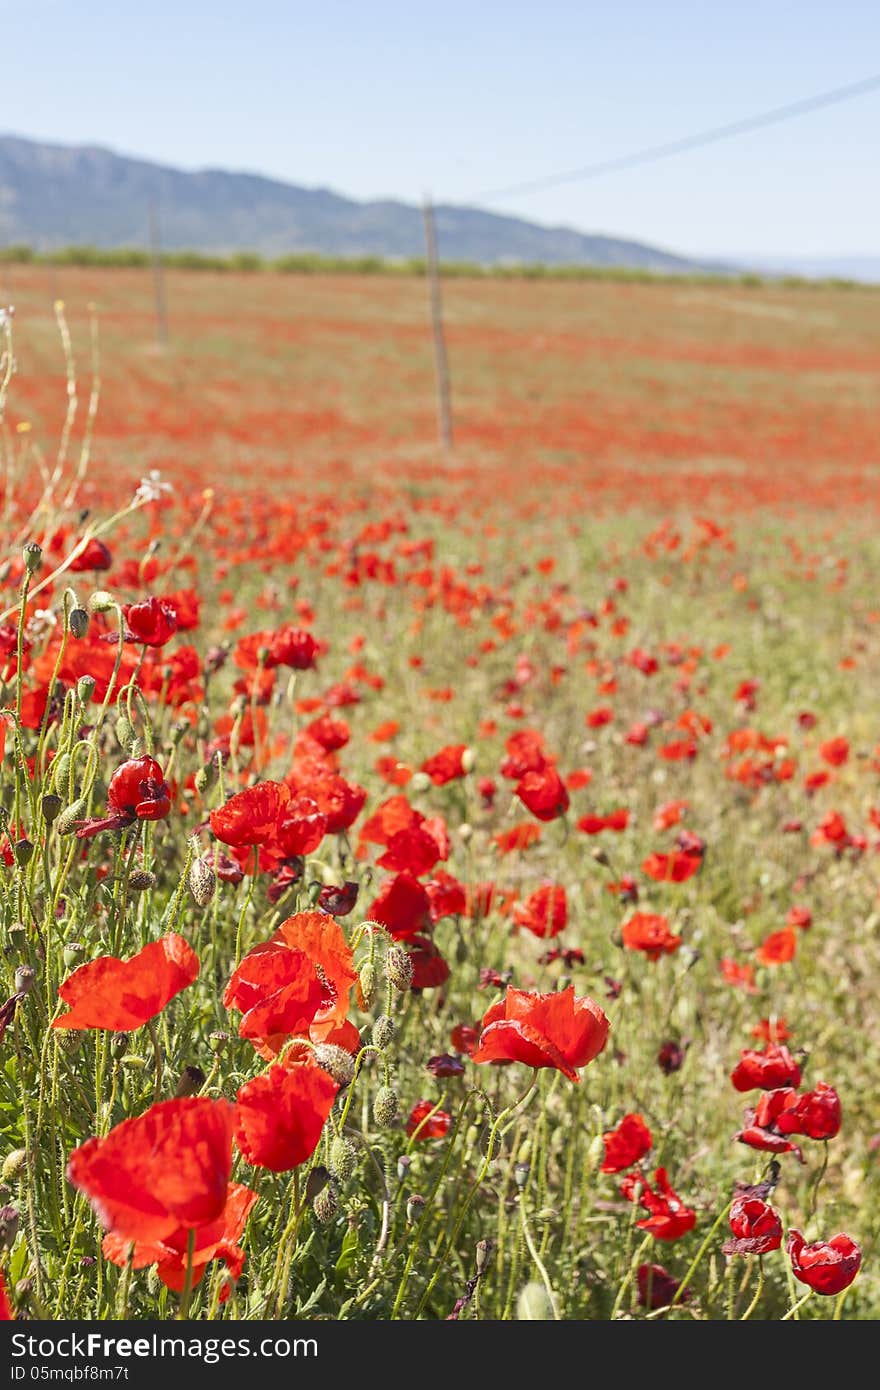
column 740, row 976
column 137, row 791
column 446, row 765
column 321, row 939
column 799, row 917
column 291, row 646
column 402, row 906
column 251, row 817
column 771, row 1030
column 6, row 1313
column 648, row 932
column 214, row 1240
column 281, row 1113
column 778, row 948
column 594, row 825
column 756, row 1227
column 544, row 793
column 835, row 751
column 518, row 837
column 162, row 1170
column 544, row 912
column 816, row 1114
column 429, row 966
column 543, row 1030
column 94, row 556
column 672, row 868
column 626, row 1144
column 827, row 1266
column 446, row 896
column 435, row 1128
column 151, row 622
column 464, row 1038
column 412, row 850
column 126, row 994
column 526, row 752
column 668, row 1218
column 277, row 991
column 657, row 1288
column 765, row 1070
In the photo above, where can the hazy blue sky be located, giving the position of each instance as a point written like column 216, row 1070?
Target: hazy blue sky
column 393, row 97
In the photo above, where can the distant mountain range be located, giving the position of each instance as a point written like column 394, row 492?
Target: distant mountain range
column 53, row 196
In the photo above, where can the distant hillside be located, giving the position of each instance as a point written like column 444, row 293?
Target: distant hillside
column 56, row 195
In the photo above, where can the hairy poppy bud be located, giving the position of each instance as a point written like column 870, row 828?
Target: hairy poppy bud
column 414, row 1207
column 51, row 807
column 202, row 882
column 72, row 954
column 420, row 782
column 60, row 771
column 200, row 781
column 367, row 983
column 142, row 880
column 399, row 968
column 9, row 1219
column 326, row 1204
column 101, row 602
column 124, row 734
column 385, row 1107
column 485, row 1252
column 335, row 1060
column 383, row 1032
column 316, row 1181
column 66, row 823
column 192, row 1079
column 78, row 622
column 14, row 1163
column 343, row 1158
column 119, row 1045
column 533, row 1304
column 32, row 555
column 24, row 979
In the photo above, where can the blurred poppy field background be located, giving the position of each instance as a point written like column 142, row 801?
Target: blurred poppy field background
column 439, row 885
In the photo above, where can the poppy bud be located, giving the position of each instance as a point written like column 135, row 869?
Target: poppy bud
column 85, row 689
column 78, row 622
column 414, row 1207
column 485, row 1252
column 9, row 1219
column 383, row 1032
column 124, row 734
column 521, row 1174
column 468, row 760
column 533, row 1304
column 326, row 1204
column 399, row 968
column 66, row 822
column 367, row 982
column 119, row 1045
column 465, row 832
column 200, row 781
column 419, row 782
column 316, row 1182
column 385, row 1107
column 16, row 940
column 61, row 771
column 101, row 602
column 72, row 954
column 600, row 856
column 404, row 1163
column 71, row 1042
column 218, row 1040
column 24, row 852
column 202, row 882
column 595, row 1151
column 142, row 880
column 335, row 1060
column 343, row 1158
column 24, row 979
column 32, row 555
column 192, row 1079
column 13, row 1164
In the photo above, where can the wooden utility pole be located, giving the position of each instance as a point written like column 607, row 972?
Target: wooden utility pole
column 441, row 361
column 158, row 278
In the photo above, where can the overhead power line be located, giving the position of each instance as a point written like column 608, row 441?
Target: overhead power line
column 689, row 142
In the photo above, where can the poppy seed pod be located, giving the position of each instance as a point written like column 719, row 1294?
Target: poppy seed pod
column 316, row 1181
column 24, row 979
column 383, row 1032
column 124, row 734
column 414, row 1207
column 192, row 1079
column 399, row 968
column 78, row 622
column 24, row 852
column 142, row 880
column 51, row 807
column 72, row 954
column 32, row 556
column 85, row 689
column 420, row 782
column 385, row 1107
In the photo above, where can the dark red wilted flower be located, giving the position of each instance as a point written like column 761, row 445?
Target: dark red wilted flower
column 668, row 1218
column 159, row 1171
column 649, row 933
column 434, row 1128
column 214, row 1240
column 152, row 622
column 543, row 1030
column 756, row 1227
column 827, row 1266
column 429, row 965
column 671, row 1055
column 465, row 1039
column 281, row 1113
column 137, row 791
column 338, row 901
column 765, row 1070
column 815, row 1114
column 94, row 556
column 544, row 793
column 445, row 1065
column 657, row 1288
column 626, row 1144
column 125, row 994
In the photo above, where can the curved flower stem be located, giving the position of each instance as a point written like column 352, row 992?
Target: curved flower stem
column 795, row 1307
column 538, row 1262
column 756, row 1298
column 692, row 1268
column 814, row 1191
column 157, row 1053
column 188, row 1281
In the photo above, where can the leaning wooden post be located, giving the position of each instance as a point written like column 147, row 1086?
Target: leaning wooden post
column 441, row 361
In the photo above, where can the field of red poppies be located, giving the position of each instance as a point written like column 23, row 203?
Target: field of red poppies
column 438, row 886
